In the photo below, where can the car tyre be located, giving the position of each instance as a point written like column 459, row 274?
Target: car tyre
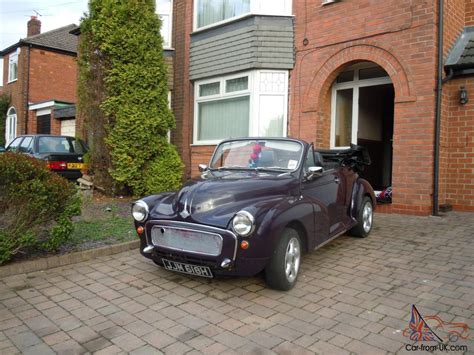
column 282, row 271
column 365, row 219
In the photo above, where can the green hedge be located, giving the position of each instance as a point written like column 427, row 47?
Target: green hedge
column 36, row 206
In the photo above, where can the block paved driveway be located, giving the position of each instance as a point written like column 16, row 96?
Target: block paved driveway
column 353, row 296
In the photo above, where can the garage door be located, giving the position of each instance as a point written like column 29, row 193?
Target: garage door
column 68, row 127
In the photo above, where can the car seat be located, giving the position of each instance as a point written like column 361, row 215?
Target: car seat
column 267, row 158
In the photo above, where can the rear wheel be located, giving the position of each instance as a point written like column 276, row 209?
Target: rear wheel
column 365, row 219
column 282, row 271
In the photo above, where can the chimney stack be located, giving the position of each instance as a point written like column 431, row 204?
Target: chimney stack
column 34, row 26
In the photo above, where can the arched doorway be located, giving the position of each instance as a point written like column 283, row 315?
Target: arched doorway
column 362, row 112
column 10, row 127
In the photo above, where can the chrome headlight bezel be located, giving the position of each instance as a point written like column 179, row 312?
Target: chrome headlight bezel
column 243, row 223
column 140, row 211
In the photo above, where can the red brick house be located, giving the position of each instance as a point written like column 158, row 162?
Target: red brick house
column 336, row 72
column 40, row 74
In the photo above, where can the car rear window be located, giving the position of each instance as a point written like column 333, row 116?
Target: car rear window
column 59, row 145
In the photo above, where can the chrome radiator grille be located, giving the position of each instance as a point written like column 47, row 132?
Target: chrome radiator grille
column 187, row 240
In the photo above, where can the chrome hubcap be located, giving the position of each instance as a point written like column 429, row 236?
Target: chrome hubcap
column 292, row 259
column 367, row 217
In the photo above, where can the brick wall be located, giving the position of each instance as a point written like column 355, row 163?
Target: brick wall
column 400, row 36
column 460, row 145
column 53, row 76
column 469, row 12
column 182, row 102
column 16, row 88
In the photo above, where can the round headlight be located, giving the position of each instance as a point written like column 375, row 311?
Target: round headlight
column 243, row 223
column 140, row 211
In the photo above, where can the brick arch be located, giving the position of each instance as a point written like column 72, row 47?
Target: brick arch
column 327, row 73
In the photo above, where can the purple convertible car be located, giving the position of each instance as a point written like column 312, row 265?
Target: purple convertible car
column 258, row 206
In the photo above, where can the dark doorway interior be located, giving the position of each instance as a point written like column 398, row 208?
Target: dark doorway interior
column 375, row 131
column 43, row 124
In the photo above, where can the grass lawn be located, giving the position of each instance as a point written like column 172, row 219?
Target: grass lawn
column 102, row 222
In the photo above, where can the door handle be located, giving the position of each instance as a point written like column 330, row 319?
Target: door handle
column 337, row 180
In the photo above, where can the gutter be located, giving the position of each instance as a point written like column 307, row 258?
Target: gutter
column 439, row 92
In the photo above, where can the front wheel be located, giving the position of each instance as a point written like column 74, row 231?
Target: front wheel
column 282, row 270
column 365, row 218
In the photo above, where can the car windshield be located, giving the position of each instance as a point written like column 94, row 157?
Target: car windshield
column 51, row 144
column 260, row 154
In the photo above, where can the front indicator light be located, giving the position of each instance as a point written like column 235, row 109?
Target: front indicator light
column 140, row 230
column 244, row 245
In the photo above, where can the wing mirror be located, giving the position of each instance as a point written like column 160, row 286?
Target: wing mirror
column 203, row 168
column 313, row 171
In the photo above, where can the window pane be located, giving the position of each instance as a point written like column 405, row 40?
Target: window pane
column 165, row 30
column 25, row 144
column 209, row 89
column 224, row 119
column 273, row 7
column 345, row 76
column 371, row 73
column 237, row 84
column 212, row 11
column 13, row 147
column 343, row 118
column 53, row 145
column 163, row 6
column 271, row 116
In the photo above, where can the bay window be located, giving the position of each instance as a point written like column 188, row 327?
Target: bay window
column 248, row 104
column 211, row 12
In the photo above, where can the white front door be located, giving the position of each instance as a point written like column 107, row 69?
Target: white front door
column 10, row 127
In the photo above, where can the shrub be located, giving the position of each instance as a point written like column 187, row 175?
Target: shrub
column 36, row 206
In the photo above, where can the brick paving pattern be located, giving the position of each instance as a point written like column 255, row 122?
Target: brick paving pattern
column 353, row 296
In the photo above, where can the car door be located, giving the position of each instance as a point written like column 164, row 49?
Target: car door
column 327, row 189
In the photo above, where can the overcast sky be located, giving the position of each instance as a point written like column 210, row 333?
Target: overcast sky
column 14, row 14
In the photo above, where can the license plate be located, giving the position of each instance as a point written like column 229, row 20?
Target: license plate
column 75, row 165
column 197, row 270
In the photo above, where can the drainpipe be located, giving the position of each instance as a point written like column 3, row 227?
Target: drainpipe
column 439, row 92
column 27, row 90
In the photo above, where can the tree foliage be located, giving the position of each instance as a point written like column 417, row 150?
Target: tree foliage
column 123, row 96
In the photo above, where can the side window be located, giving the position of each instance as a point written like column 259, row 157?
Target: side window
column 13, row 147
column 25, row 145
column 309, row 159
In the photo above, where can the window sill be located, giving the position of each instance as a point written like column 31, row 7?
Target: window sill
column 232, row 20
column 12, row 81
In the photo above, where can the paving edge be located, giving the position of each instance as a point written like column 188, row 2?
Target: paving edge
column 65, row 259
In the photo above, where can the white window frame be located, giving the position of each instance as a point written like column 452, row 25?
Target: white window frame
column 254, row 93
column 167, row 42
column 355, row 85
column 11, row 125
column 12, row 60
column 1, row 71
column 288, row 11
